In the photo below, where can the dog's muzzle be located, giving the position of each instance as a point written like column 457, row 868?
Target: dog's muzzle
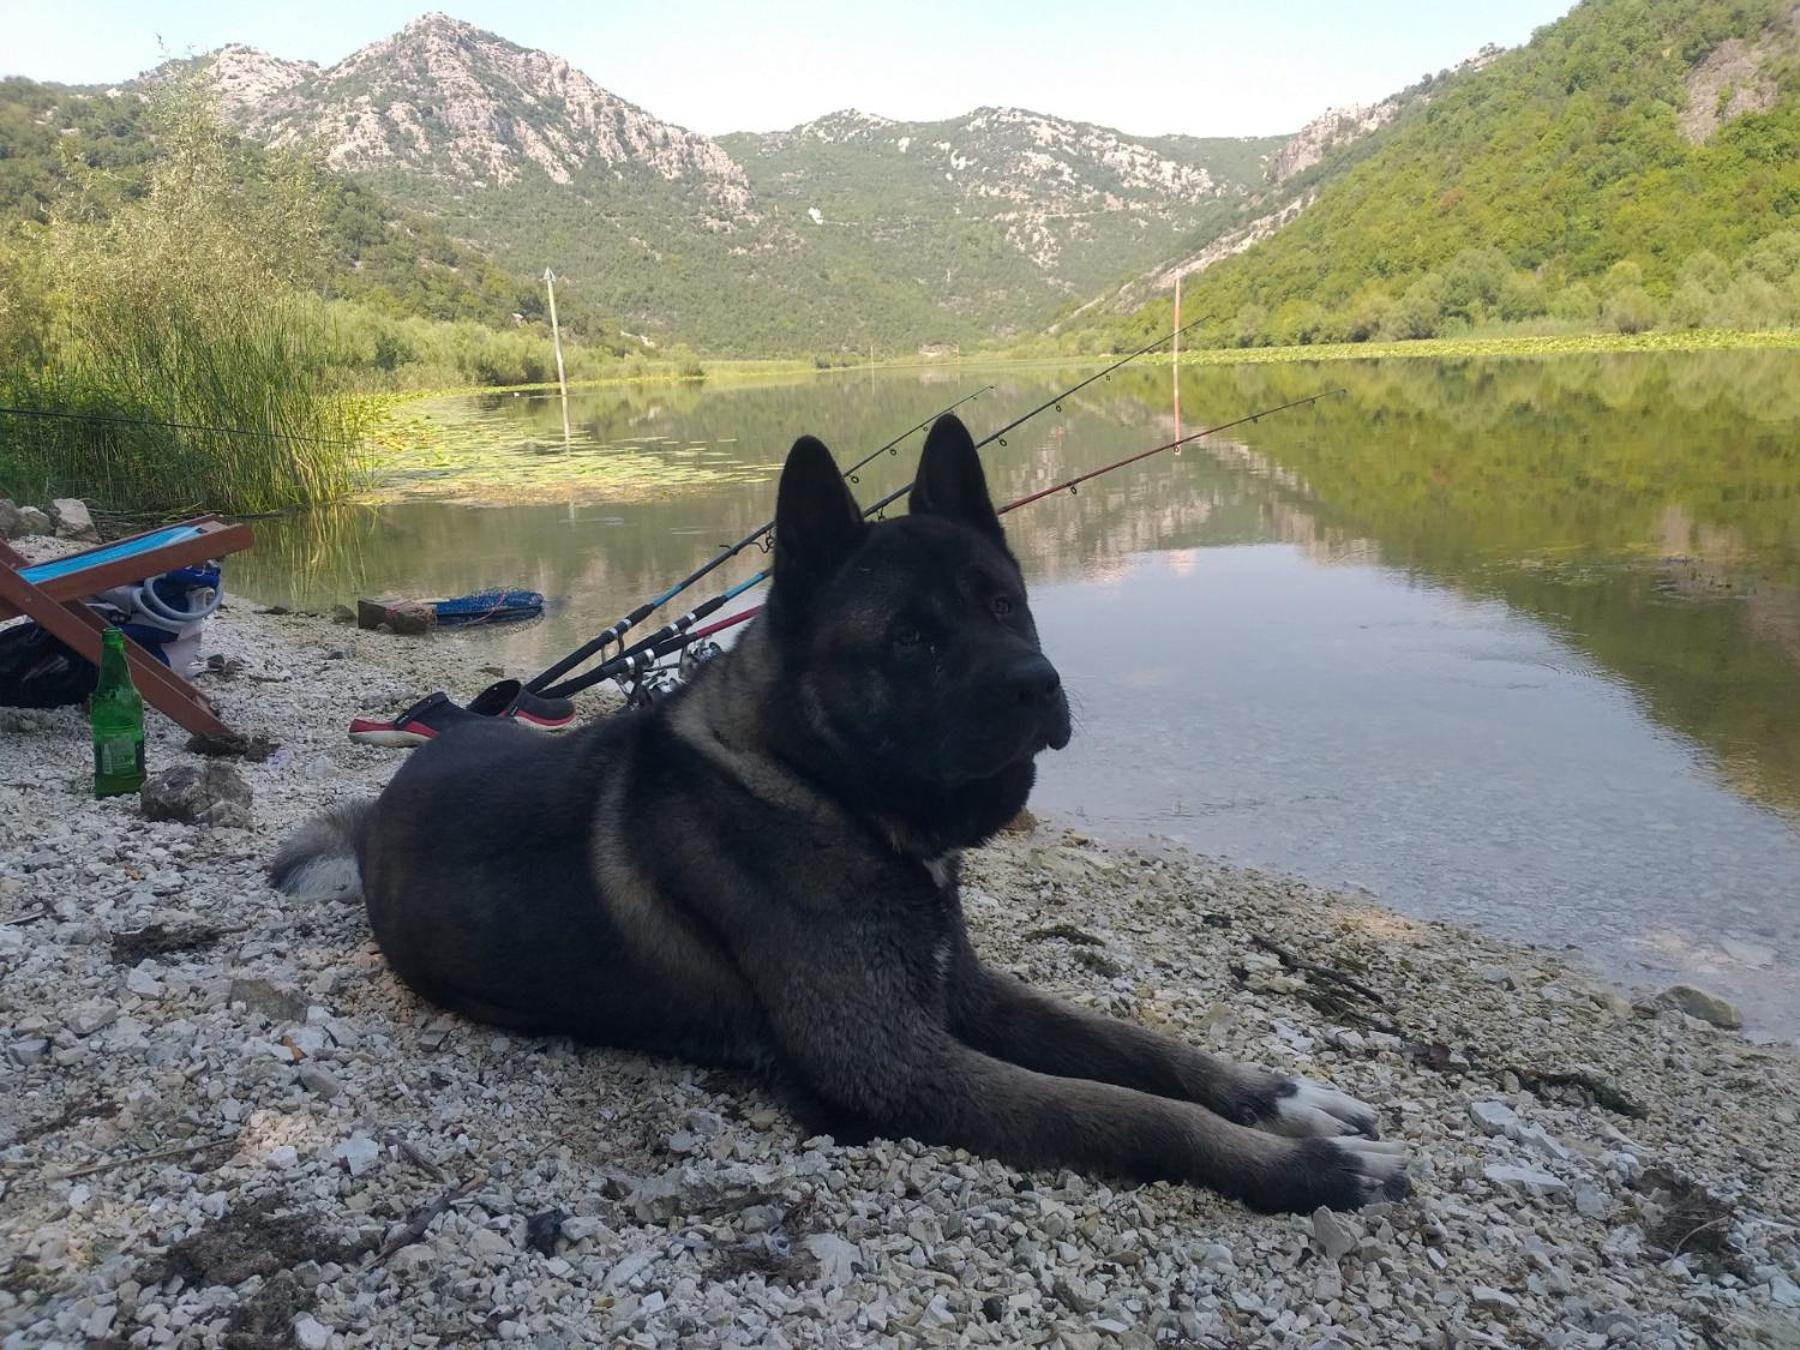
column 1033, row 683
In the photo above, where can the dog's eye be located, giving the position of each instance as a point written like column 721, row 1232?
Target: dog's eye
column 905, row 635
column 1002, row 606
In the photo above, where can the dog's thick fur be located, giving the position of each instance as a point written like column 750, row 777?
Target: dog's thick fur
column 761, row 871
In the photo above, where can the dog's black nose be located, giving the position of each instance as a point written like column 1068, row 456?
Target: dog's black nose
column 1033, row 680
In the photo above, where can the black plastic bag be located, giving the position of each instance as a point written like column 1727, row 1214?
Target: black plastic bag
column 38, row 671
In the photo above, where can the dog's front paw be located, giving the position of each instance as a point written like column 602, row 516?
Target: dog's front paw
column 1359, row 1171
column 1344, row 1173
column 1305, row 1109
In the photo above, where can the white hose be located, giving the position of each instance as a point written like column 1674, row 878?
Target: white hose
column 146, row 599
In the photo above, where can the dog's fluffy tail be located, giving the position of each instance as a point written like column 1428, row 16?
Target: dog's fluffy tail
column 319, row 860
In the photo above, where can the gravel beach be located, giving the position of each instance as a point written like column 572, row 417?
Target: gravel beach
column 223, row 1122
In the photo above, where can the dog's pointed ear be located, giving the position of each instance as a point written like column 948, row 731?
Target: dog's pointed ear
column 817, row 523
column 950, row 481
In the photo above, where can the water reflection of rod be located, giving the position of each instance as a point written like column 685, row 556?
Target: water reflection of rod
column 1071, row 484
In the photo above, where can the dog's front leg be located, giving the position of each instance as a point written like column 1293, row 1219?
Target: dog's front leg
column 1005, row 1017
column 859, row 1034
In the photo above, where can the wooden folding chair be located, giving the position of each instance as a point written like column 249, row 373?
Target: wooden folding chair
column 52, row 594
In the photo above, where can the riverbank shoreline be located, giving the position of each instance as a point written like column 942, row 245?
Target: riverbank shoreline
column 1588, row 1172
column 399, row 429
column 752, row 370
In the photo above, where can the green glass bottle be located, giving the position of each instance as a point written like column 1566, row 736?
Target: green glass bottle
column 116, row 713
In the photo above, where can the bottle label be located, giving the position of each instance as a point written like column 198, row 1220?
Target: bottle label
column 119, row 755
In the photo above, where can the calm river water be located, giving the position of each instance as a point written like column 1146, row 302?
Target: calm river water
column 1510, row 642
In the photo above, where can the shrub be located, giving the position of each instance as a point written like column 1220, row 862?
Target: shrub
column 1630, row 310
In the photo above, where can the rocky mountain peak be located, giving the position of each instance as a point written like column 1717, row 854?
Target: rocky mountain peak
column 1339, row 126
column 1326, row 132
column 437, row 22
column 845, row 124
column 244, row 77
column 446, row 100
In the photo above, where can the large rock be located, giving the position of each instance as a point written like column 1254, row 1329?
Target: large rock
column 1531, row 1180
column 1336, row 1234
column 357, row 1154
column 29, row 520
column 12, row 524
column 1698, row 1003
column 72, row 520
column 837, row 1258
column 1494, row 1117
column 278, row 1005
column 209, row 793
column 408, row 617
column 85, row 1019
column 1500, row 1119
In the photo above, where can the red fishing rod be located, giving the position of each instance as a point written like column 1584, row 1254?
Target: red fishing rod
column 641, row 658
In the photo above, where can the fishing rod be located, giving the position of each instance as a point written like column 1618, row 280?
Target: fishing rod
column 541, row 684
column 643, row 655
column 727, row 552
column 110, row 419
column 853, row 473
column 1071, row 484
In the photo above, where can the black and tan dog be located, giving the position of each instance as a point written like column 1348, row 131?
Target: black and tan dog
column 761, row 871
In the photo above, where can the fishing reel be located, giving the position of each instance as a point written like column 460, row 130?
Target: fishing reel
column 658, row 682
column 695, row 655
column 653, row 686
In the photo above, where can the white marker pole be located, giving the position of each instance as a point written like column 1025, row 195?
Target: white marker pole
column 556, row 338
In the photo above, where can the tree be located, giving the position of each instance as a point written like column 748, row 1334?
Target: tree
column 1368, row 314
column 1252, row 323
column 1297, row 323
column 1623, row 275
column 1576, row 302
column 1630, row 309
column 1420, row 311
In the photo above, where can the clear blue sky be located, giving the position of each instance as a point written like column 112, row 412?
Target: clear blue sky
column 726, row 65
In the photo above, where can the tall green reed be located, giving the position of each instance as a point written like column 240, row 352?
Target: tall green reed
column 189, row 306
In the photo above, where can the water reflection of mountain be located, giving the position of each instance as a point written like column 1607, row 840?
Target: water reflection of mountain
column 1645, row 508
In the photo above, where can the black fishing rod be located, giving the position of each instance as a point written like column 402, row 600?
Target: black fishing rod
column 853, row 473
column 878, row 507
column 108, row 419
column 639, row 657
column 1071, row 484
column 538, row 682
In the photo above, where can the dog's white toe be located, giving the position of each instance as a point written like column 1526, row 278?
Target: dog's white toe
column 1382, row 1162
column 1314, row 1109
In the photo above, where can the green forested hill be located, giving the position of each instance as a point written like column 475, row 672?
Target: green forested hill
column 84, row 152
column 862, row 232
column 1636, row 164
column 986, row 223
